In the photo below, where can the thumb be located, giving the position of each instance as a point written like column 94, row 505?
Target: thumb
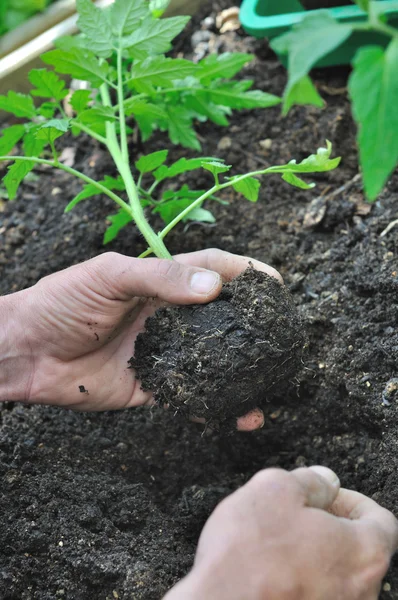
column 167, row 280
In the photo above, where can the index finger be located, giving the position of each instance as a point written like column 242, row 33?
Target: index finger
column 226, row 264
column 357, row 507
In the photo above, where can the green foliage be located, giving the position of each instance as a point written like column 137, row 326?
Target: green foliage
column 15, row 12
column 373, row 84
column 374, row 93
column 120, row 52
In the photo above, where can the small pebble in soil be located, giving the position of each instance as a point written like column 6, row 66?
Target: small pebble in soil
column 219, row 360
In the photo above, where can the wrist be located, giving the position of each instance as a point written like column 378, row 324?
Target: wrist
column 16, row 356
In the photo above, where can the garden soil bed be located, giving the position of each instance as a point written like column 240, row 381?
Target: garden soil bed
column 107, row 506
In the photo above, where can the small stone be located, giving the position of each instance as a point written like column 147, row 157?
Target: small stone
column 224, row 143
column 115, row 594
column 386, row 587
column 390, row 392
column 350, row 348
column 61, row 544
column 266, row 144
column 55, row 191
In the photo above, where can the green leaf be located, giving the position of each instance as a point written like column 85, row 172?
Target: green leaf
column 31, row 145
column 79, row 64
column 10, row 138
column 118, row 221
column 90, row 190
column 48, row 84
column 208, row 109
column 249, row 188
column 47, row 110
column 201, row 215
column 133, row 106
column 373, row 88
column 216, row 167
column 52, row 130
column 158, row 71
column 364, row 4
column 309, row 41
column 96, row 118
column 154, row 36
column 157, row 7
column 19, row 105
column 292, row 179
column 180, row 128
column 79, row 100
column 183, row 165
column 222, row 66
column 15, row 175
column 126, row 14
column 95, row 26
column 235, row 95
column 152, row 161
column 301, row 92
column 315, row 163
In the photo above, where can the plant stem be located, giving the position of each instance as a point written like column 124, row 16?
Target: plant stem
column 89, row 131
column 154, row 241
column 120, row 97
column 85, row 178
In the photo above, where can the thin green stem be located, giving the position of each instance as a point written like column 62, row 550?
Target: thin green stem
column 146, row 253
column 96, row 136
column 153, row 187
column 54, row 152
column 120, row 97
column 123, row 166
column 85, row 178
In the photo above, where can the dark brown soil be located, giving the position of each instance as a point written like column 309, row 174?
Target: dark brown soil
column 104, row 506
column 222, row 359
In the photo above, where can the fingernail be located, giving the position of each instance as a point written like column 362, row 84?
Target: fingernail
column 327, row 474
column 203, row 282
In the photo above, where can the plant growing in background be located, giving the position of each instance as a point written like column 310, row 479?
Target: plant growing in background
column 373, row 84
column 15, row 12
column 126, row 63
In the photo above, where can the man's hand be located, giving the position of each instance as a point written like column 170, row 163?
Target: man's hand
column 292, row 535
column 77, row 328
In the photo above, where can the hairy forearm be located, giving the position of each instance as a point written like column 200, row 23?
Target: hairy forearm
column 15, row 354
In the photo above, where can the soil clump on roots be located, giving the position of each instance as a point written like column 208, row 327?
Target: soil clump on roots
column 221, row 359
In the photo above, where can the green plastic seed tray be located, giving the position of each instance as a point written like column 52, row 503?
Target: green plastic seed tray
column 270, row 18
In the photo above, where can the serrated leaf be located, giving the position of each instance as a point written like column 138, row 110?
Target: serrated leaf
column 133, row 106
column 10, row 138
column 15, row 175
column 90, row 190
column 235, row 94
column 79, row 64
column 309, row 41
column 152, row 161
column 315, row 163
column 48, row 84
column 222, row 66
column 249, row 188
column 158, row 71
column 79, row 100
column 208, row 109
column 96, row 118
column 292, row 179
column 47, row 110
column 373, row 88
column 183, row 165
column 52, row 130
column 118, row 221
column 301, row 92
column 95, row 26
column 126, row 14
column 19, row 105
column 31, row 145
column 180, row 128
column 154, row 36
column 216, row 167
